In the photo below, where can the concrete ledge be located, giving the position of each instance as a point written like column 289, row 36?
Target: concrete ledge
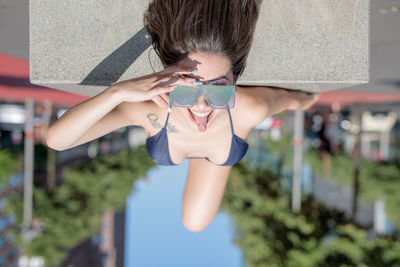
column 312, row 45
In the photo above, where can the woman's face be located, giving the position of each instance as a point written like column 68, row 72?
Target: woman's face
column 210, row 67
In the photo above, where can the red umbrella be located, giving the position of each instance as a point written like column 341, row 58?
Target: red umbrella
column 15, row 85
column 353, row 98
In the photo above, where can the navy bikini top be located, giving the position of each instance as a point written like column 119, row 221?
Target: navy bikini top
column 157, row 147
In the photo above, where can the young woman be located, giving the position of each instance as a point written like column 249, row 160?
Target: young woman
column 203, row 45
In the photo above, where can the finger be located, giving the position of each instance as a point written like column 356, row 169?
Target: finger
column 316, row 97
column 160, row 90
column 165, row 78
column 178, row 70
column 184, row 81
column 160, row 102
column 172, row 80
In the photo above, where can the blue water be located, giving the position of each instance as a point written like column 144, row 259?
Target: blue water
column 155, row 235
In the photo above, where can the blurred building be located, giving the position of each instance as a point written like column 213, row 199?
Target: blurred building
column 9, row 253
column 106, row 248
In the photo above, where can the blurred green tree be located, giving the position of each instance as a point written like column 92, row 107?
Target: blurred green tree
column 377, row 180
column 71, row 213
column 270, row 234
column 9, row 163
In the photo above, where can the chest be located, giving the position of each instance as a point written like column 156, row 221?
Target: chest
column 216, row 146
column 215, row 143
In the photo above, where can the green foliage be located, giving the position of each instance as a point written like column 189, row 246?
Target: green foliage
column 270, row 234
column 9, row 163
column 71, row 212
column 283, row 148
column 377, row 180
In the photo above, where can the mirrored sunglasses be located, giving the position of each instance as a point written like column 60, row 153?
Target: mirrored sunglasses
column 217, row 96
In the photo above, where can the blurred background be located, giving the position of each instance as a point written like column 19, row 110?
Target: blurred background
column 105, row 203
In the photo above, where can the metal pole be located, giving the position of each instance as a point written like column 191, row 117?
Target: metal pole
column 384, row 145
column 357, row 162
column 28, row 163
column 298, row 145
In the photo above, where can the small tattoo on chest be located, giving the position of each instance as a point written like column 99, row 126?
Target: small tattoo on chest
column 153, row 118
column 171, row 128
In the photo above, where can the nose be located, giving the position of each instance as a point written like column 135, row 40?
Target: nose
column 201, row 103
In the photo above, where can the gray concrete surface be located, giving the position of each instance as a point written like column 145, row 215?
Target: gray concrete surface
column 384, row 41
column 93, row 47
column 309, row 45
column 14, row 30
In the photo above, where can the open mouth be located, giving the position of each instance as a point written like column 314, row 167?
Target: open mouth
column 200, row 119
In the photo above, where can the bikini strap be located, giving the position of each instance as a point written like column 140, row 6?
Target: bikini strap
column 166, row 121
column 230, row 119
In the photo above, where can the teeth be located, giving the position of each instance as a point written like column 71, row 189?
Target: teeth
column 200, row 114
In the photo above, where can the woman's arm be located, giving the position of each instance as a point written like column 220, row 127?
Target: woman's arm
column 261, row 102
column 88, row 120
column 119, row 105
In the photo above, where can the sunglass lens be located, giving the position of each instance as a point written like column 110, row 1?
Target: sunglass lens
column 219, row 96
column 184, row 96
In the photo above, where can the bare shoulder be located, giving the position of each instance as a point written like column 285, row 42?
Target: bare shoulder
column 251, row 105
column 136, row 112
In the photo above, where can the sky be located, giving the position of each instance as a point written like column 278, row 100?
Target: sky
column 155, row 235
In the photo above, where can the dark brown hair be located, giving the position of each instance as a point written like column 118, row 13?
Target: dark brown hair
column 179, row 27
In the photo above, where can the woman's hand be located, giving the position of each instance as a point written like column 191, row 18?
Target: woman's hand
column 302, row 100
column 150, row 87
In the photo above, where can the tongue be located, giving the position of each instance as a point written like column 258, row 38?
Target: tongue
column 201, row 122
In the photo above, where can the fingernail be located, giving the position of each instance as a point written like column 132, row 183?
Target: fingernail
column 192, row 70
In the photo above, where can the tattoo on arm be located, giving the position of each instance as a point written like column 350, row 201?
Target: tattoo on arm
column 153, row 118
